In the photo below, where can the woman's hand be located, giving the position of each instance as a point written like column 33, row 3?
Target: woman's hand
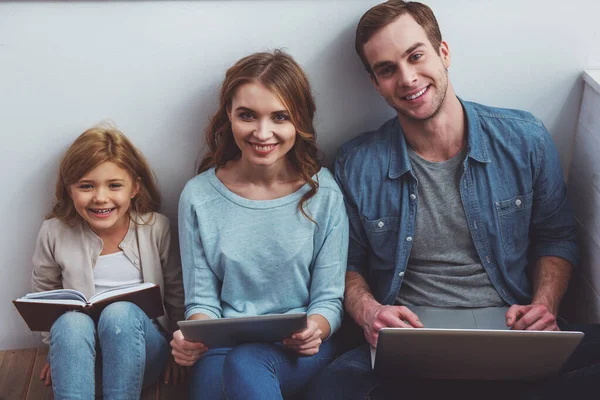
column 306, row 342
column 186, row 353
column 46, row 374
column 175, row 373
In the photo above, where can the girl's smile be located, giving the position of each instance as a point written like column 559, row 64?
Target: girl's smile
column 102, row 197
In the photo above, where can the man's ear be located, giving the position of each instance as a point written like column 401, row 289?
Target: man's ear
column 445, row 54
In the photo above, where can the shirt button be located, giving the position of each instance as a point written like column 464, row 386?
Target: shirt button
column 412, row 196
column 122, row 245
column 136, row 262
column 401, row 274
column 487, row 258
column 518, row 203
column 380, row 224
column 409, row 239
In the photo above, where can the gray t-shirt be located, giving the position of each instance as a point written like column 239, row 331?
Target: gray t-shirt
column 444, row 269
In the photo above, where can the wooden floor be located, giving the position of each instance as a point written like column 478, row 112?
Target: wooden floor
column 20, row 371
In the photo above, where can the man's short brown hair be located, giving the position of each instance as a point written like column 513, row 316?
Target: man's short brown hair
column 383, row 14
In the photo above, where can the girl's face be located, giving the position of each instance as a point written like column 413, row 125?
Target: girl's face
column 261, row 126
column 102, row 197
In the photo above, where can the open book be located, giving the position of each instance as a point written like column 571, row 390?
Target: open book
column 41, row 309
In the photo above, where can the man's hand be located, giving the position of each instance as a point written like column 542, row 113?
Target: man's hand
column 46, row 374
column 186, row 353
column 175, row 373
column 533, row 317
column 306, row 342
column 388, row 317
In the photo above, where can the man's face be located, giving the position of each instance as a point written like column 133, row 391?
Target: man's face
column 407, row 71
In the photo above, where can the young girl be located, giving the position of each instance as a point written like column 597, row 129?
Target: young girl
column 103, row 232
column 263, row 230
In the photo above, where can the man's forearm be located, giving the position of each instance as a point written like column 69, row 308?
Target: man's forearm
column 358, row 299
column 551, row 277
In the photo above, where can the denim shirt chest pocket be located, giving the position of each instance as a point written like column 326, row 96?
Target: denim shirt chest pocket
column 383, row 237
column 514, row 216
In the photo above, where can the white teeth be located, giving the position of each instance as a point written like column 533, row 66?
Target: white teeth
column 102, row 211
column 263, row 148
column 419, row 94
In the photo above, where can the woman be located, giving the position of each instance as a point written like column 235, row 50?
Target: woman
column 263, row 230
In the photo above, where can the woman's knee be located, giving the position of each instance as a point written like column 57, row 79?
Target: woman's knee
column 247, row 357
column 206, row 380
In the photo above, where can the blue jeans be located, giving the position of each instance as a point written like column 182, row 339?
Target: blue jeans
column 133, row 353
column 262, row 371
column 350, row 377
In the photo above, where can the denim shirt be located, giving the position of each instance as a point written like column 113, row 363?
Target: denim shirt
column 512, row 191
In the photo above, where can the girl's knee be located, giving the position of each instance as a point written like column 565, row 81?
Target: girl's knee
column 120, row 309
column 73, row 325
column 120, row 317
column 72, row 333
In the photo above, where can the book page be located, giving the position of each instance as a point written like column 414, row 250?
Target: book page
column 107, row 294
column 58, row 294
column 53, row 301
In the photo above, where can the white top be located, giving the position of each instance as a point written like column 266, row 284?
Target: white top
column 114, row 270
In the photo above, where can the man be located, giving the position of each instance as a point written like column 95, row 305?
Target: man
column 451, row 204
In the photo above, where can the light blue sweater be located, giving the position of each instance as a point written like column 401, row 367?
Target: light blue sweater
column 244, row 257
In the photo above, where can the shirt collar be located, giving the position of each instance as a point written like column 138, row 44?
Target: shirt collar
column 477, row 145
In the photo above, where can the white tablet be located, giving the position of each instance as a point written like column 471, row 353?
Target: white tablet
column 228, row 332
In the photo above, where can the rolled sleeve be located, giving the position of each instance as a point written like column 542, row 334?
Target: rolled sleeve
column 553, row 229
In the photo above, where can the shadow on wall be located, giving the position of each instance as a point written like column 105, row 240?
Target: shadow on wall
column 191, row 116
column 581, row 301
column 561, row 117
column 34, row 190
column 340, row 85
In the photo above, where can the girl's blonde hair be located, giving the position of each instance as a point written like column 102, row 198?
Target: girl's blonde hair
column 279, row 73
column 92, row 148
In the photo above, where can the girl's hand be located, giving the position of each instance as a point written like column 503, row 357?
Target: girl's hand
column 46, row 374
column 175, row 373
column 308, row 341
column 186, row 353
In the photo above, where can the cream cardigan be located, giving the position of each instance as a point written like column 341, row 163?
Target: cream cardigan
column 66, row 256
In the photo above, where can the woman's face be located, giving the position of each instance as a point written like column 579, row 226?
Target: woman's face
column 261, row 126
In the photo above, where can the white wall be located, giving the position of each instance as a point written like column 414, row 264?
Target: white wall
column 154, row 69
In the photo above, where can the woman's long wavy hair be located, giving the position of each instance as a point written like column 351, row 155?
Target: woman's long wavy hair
column 92, row 148
column 279, row 73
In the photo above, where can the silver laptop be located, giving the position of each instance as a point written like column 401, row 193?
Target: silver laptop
column 229, row 332
column 471, row 344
